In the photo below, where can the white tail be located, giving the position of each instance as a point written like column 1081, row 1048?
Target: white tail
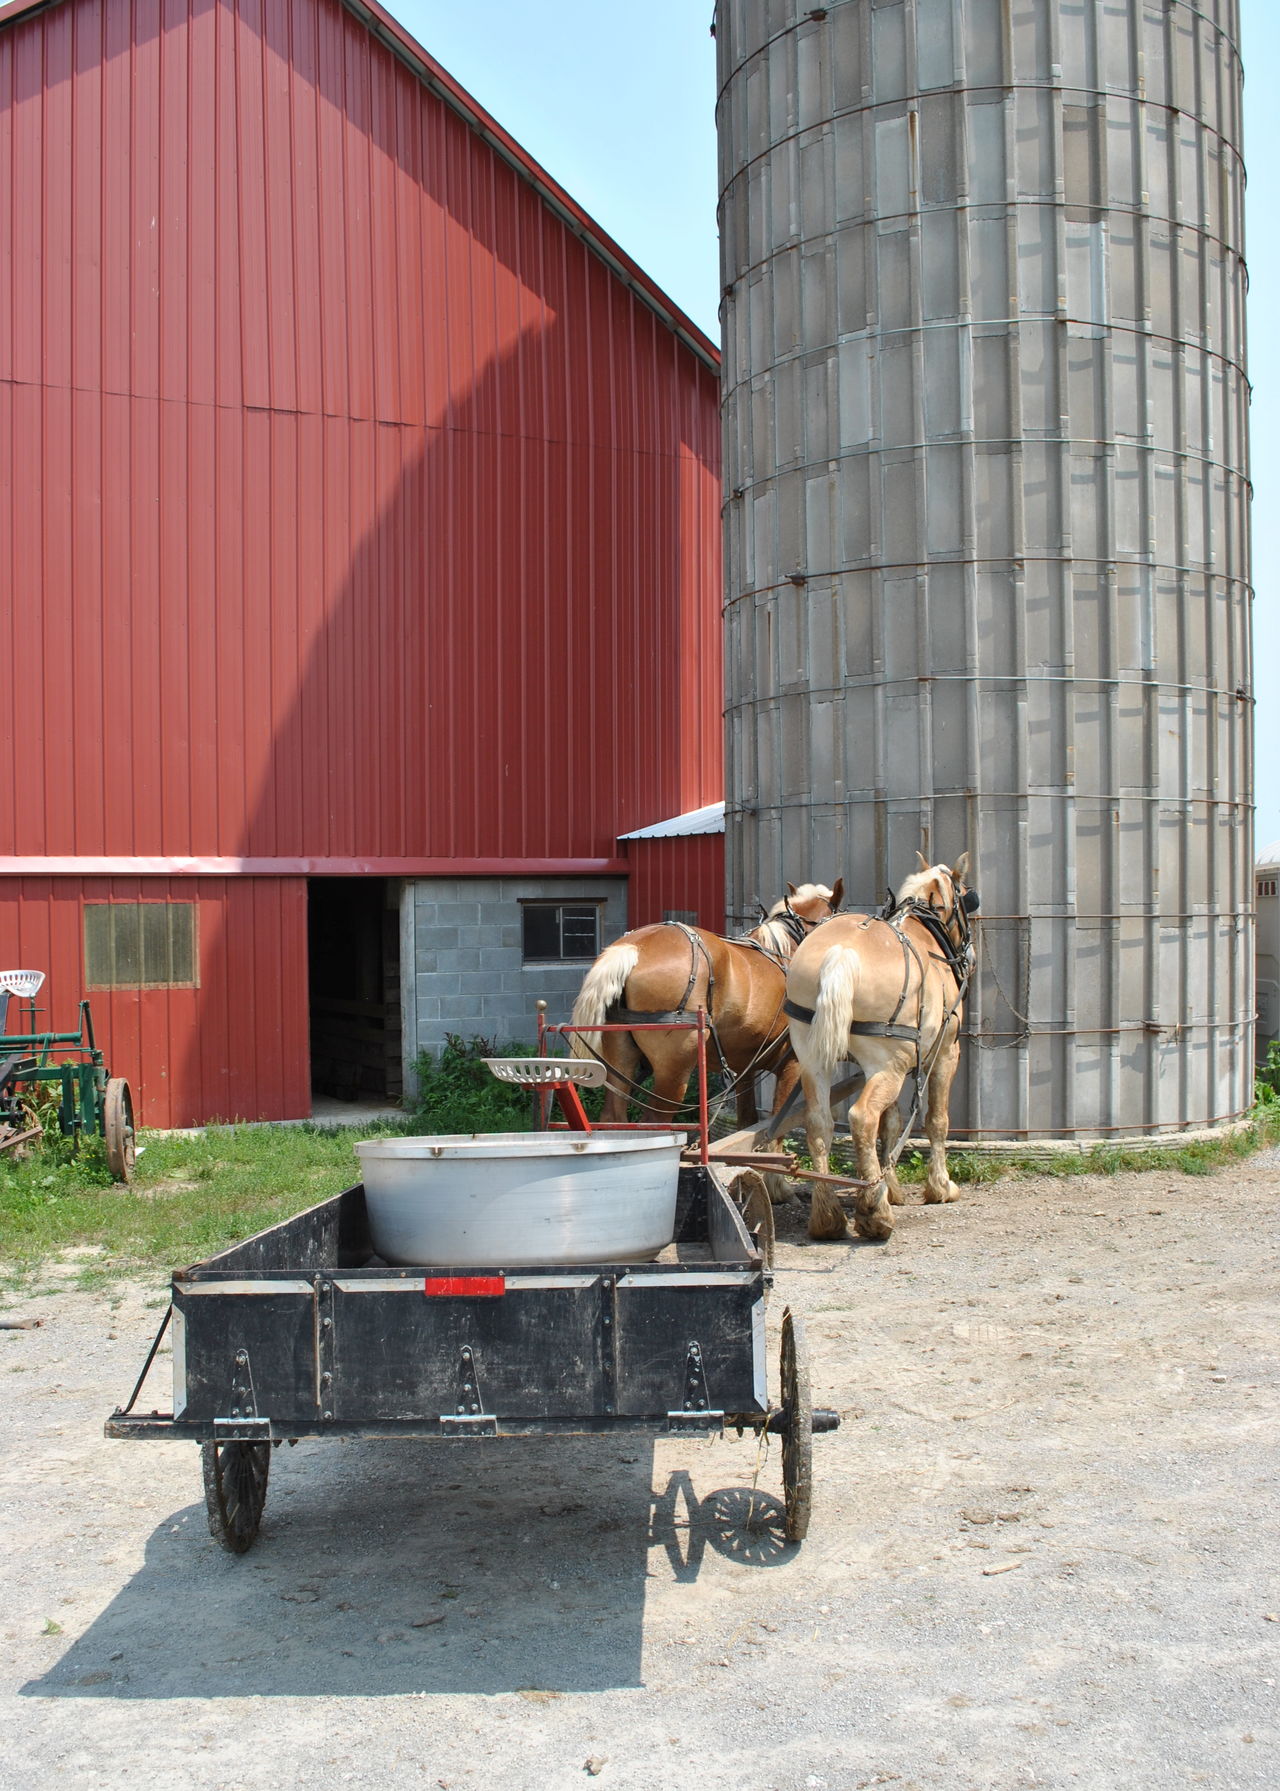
column 833, row 1009
column 604, row 984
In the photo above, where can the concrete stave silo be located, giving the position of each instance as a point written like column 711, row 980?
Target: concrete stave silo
column 986, row 516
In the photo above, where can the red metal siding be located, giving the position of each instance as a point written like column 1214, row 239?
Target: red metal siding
column 351, row 505
column 681, row 874
column 352, row 510
column 233, row 1048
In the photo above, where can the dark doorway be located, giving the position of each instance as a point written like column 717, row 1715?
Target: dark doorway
column 353, row 952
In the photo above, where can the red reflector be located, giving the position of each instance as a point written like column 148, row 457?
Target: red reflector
column 483, row 1286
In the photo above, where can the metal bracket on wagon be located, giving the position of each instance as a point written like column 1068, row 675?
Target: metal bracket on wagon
column 696, row 1414
column 470, row 1419
column 244, row 1420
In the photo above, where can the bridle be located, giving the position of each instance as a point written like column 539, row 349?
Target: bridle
column 797, row 928
column 952, row 931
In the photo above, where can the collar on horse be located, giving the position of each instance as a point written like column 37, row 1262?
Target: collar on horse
column 796, row 926
column 957, row 955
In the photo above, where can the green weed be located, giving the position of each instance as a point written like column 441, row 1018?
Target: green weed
column 457, row 1092
column 1266, row 1086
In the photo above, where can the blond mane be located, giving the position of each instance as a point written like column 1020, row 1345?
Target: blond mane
column 772, row 933
column 915, row 887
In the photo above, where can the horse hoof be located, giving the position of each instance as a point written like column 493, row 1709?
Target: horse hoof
column 896, row 1195
column 874, row 1219
column 935, row 1197
column 779, row 1190
column 827, row 1226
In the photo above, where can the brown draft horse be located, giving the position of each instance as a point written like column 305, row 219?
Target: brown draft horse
column 667, row 971
column 887, row 992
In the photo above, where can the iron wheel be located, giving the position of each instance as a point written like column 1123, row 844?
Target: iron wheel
column 235, row 1491
column 797, row 1437
column 117, row 1129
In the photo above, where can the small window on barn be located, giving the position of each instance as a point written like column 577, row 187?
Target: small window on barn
column 560, row 932
column 140, row 945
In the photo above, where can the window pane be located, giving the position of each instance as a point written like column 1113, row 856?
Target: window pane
column 126, row 933
column 182, row 942
column 155, row 943
column 541, row 931
column 579, row 932
column 97, row 945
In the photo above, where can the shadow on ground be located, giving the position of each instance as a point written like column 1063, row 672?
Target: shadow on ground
column 385, row 1568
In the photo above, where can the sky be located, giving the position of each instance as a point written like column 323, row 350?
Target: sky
column 618, row 102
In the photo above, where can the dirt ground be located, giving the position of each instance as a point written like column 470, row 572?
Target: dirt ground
column 1043, row 1552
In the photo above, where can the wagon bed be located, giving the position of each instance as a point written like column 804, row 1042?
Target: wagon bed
column 302, row 1331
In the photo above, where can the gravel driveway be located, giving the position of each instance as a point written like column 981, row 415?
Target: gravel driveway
column 1044, row 1546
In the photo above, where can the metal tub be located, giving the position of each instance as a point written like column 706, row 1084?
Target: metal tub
column 539, row 1198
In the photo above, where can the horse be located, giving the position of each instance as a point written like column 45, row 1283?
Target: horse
column 888, row 992
column 666, row 971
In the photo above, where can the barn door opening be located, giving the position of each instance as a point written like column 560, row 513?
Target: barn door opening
column 353, row 951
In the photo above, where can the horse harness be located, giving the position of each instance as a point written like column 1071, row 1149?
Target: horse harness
column 697, row 951
column 793, row 924
column 959, row 960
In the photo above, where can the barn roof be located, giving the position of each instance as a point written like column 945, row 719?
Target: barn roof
column 441, row 83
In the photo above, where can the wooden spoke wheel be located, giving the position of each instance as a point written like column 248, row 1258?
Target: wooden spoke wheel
column 797, row 1437
column 235, row 1491
column 117, row 1129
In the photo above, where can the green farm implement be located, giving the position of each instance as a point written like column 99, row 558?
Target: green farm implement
column 35, row 1065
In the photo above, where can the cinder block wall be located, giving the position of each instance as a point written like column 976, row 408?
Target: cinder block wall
column 461, row 952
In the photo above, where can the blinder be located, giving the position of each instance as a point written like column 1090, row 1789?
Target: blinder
column 969, row 901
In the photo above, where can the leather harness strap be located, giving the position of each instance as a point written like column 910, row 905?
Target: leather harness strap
column 953, row 958
column 880, row 1029
column 697, row 949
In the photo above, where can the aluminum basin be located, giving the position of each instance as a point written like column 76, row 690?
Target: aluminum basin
column 490, row 1199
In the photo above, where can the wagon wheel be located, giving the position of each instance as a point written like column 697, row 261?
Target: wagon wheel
column 797, row 1437
column 235, row 1491
column 117, row 1129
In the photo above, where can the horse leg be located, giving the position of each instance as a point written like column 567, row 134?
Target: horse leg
column 748, row 1110
column 622, row 1054
column 672, row 1068
column 873, row 1214
column 779, row 1189
column 939, row 1186
column 890, row 1132
column 826, row 1215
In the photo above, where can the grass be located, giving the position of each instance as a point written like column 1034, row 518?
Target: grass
column 191, row 1196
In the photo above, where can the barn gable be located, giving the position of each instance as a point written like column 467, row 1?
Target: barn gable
column 358, row 494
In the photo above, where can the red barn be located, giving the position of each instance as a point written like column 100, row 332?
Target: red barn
column 359, row 524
